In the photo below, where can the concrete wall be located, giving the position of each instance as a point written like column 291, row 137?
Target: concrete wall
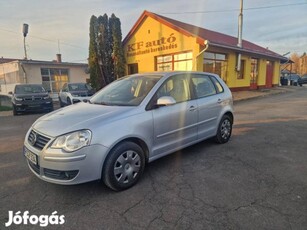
column 17, row 72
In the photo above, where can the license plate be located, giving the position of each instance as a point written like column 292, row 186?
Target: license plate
column 30, row 156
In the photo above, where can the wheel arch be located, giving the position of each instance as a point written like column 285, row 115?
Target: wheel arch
column 230, row 114
column 135, row 140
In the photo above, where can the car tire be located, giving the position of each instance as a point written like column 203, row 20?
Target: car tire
column 69, row 101
column 14, row 111
column 123, row 166
column 224, row 130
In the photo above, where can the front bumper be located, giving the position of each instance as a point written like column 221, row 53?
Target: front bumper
column 56, row 166
column 76, row 99
column 32, row 107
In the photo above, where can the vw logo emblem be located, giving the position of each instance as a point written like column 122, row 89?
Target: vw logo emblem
column 32, row 139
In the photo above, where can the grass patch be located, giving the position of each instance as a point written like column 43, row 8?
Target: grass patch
column 5, row 108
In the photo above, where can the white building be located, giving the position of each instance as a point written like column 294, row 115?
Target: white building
column 52, row 74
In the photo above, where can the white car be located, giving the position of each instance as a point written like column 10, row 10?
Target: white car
column 72, row 93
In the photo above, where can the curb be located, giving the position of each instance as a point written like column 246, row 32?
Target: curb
column 271, row 92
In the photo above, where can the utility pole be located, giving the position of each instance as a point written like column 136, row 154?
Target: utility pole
column 25, row 29
column 240, row 28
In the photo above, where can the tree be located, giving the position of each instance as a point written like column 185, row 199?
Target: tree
column 295, row 66
column 117, row 47
column 106, row 54
column 93, row 58
column 104, row 49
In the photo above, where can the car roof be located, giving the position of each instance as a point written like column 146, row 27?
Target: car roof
column 170, row 73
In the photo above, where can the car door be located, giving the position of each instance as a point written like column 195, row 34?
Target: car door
column 175, row 126
column 209, row 101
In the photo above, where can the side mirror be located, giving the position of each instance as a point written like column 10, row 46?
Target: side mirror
column 11, row 93
column 165, row 101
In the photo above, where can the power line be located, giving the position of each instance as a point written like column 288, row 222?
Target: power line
column 44, row 39
column 232, row 10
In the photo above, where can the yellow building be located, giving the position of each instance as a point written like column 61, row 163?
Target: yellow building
column 158, row 43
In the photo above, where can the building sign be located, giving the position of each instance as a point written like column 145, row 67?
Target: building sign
column 141, row 47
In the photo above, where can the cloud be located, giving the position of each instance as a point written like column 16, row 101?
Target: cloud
column 281, row 28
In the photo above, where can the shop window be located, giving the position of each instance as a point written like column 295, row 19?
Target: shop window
column 53, row 79
column 179, row 61
column 254, row 70
column 216, row 63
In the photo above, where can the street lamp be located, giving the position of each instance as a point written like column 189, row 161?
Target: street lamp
column 25, row 29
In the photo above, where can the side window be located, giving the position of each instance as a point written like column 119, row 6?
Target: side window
column 203, row 86
column 176, row 87
column 217, row 84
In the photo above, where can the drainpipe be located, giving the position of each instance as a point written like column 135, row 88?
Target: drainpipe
column 24, row 73
column 206, row 43
column 240, row 28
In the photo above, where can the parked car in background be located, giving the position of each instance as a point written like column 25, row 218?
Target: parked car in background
column 30, row 98
column 72, row 93
column 303, row 80
column 134, row 120
column 292, row 79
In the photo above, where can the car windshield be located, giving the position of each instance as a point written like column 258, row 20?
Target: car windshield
column 27, row 89
column 79, row 87
column 129, row 91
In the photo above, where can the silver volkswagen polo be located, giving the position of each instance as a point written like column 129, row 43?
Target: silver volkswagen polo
column 132, row 121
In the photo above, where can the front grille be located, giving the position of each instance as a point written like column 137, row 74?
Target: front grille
column 37, row 140
column 60, row 175
column 36, row 168
column 33, row 98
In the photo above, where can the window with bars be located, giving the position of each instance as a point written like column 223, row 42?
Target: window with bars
column 215, row 63
column 179, row 61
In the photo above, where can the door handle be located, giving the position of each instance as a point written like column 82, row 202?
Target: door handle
column 219, row 101
column 192, row 108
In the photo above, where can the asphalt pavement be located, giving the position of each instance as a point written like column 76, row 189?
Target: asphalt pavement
column 256, row 181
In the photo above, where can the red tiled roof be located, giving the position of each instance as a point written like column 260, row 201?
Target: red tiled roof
column 215, row 38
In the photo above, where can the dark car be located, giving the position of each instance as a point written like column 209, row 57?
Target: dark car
column 292, row 79
column 302, row 80
column 31, row 98
column 72, row 93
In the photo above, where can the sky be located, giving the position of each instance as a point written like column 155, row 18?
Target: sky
column 63, row 25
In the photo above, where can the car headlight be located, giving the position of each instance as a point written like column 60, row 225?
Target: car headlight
column 75, row 94
column 46, row 97
column 72, row 141
column 18, row 99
